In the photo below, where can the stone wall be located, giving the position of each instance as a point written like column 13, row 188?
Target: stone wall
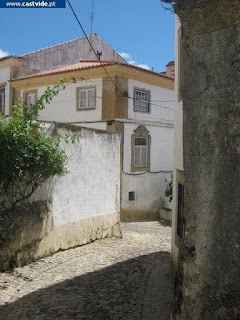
column 72, row 210
column 208, row 282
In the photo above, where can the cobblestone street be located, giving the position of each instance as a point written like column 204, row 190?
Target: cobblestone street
column 109, row 279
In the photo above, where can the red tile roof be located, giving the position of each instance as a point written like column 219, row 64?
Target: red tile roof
column 84, row 65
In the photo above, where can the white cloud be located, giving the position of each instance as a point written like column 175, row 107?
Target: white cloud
column 144, row 66
column 3, row 53
column 125, row 55
column 128, row 57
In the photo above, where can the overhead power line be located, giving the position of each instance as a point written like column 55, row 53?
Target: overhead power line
column 97, row 56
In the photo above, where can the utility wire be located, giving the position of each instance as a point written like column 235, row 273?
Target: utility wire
column 114, row 83
column 78, row 21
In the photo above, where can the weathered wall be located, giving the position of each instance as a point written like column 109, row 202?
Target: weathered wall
column 178, row 169
column 149, row 187
column 63, row 107
column 67, row 53
column 72, row 210
column 208, row 279
column 160, row 97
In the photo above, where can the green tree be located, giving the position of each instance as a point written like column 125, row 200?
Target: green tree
column 28, row 155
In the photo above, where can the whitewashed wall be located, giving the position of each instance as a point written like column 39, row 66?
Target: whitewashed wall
column 92, row 186
column 101, row 125
column 158, row 97
column 72, row 210
column 149, row 187
column 63, row 106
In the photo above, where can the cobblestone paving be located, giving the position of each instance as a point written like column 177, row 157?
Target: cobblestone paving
column 109, row 279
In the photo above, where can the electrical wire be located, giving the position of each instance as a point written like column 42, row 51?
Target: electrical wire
column 114, row 83
column 141, row 173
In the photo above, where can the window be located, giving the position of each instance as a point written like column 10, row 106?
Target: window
column 2, row 99
column 180, row 211
column 141, row 100
column 131, row 196
column 140, row 152
column 30, row 97
column 141, row 142
column 86, row 98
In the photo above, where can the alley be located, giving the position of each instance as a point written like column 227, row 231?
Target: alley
column 109, row 279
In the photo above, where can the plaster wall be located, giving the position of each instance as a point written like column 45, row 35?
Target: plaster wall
column 67, row 53
column 63, row 107
column 150, row 186
column 71, row 210
column 157, row 95
column 94, row 166
column 178, row 172
column 94, row 125
column 94, row 173
column 161, row 155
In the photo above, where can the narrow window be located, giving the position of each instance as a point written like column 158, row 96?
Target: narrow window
column 31, row 97
column 86, row 99
column 140, row 152
column 180, row 211
column 131, row 196
column 2, row 100
column 141, row 100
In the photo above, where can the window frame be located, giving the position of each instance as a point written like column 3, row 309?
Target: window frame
column 140, row 132
column 26, row 93
column 79, row 89
column 140, row 147
column 149, row 100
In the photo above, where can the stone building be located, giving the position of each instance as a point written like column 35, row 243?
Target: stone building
column 206, row 223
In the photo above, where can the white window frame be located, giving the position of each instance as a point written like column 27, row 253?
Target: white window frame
column 141, row 149
column 87, row 103
column 141, row 100
column 32, row 95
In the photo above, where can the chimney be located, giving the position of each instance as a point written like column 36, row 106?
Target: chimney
column 170, row 72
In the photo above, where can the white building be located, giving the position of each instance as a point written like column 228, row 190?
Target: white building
column 135, row 102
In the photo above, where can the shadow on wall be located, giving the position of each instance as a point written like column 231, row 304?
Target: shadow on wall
column 116, row 292
column 21, row 232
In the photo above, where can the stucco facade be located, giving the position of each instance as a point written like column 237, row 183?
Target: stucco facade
column 116, row 113
column 72, row 210
column 114, row 110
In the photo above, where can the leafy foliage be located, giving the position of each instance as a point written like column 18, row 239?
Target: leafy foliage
column 29, row 156
column 169, row 188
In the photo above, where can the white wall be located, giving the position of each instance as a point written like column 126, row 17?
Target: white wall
column 158, row 95
column 92, row 187
column 149, row 191
column 149, row 187
column 63, row 106
column 161, row 146
column 94, row 125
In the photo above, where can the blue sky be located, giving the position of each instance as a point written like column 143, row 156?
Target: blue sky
column 142, row 29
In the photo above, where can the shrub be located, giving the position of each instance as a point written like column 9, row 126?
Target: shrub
column 28, row 155
column 169, row 188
